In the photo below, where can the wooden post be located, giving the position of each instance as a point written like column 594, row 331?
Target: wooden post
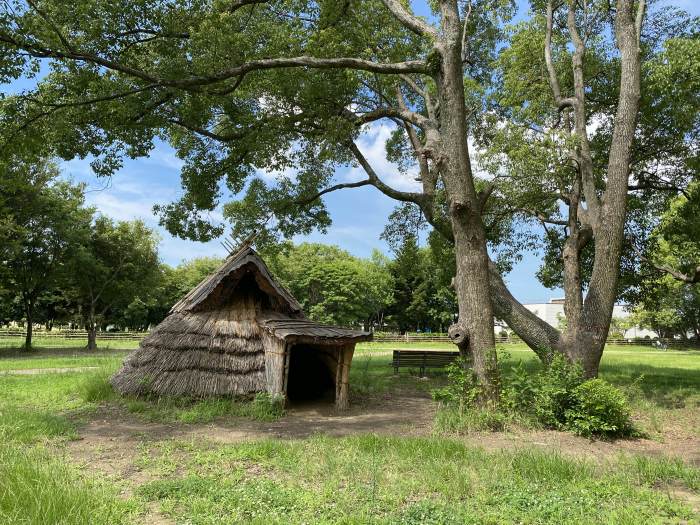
column 275, row 366
column 342, row 391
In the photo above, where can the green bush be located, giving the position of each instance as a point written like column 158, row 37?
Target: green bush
column 598, row 409
column 553, row 390
column 462, row 388
column 557, row 397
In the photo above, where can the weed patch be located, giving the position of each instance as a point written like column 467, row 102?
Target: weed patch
column 39, row 490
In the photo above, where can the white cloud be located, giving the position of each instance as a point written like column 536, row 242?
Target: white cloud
column 372, row 145
column 165, row 157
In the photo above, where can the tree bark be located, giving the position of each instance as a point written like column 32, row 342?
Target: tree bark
column 603, row 220
column 29, row 313
column 589, row 334
column 91, row 328
column 472, row 270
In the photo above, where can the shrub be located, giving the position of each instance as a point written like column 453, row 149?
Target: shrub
column 462, row 388
column 553, row 391
column 558, row 397
column 598, row 408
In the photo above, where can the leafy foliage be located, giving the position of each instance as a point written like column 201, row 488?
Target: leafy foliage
column 332, row 285
column 556, row 397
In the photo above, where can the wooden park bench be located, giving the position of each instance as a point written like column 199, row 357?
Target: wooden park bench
column 421, row 359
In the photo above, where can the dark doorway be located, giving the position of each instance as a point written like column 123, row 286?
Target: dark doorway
column 310, row 377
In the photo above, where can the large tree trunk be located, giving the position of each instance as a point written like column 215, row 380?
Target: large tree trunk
column 588, row 320
column 591, row 330
column 474, row 332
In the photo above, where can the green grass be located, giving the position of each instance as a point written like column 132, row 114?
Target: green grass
column 187, row 410
column 358, row 479
column 371, row 479
column 58, row 358
column 39, row 342
column 36, row 489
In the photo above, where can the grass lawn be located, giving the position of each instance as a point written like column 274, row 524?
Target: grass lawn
column 8, row 344
column 216, row 461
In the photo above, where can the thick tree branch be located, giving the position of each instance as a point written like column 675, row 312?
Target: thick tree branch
column 411, row 66
column 427, row 177
column 330, row 189
column 465, row 48
column 639, row 20
column 404, row 196
column 403, row 114
column 409, row 20
column 543, row 338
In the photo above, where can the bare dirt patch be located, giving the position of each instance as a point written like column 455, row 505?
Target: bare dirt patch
column 113, row 440
column 688, row 449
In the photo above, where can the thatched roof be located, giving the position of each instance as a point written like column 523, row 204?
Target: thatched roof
column 306, row 331
column 212, row 343
column 236, row 265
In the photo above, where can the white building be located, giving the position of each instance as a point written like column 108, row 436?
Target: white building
column 553, row 311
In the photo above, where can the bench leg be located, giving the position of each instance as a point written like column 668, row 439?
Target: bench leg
column 396, row 370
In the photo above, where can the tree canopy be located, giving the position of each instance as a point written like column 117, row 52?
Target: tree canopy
column 561, row 118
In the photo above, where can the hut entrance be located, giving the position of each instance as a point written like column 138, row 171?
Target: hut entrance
column 311, row 374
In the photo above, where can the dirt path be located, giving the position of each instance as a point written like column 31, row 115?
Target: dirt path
column 115, row 435
column 112, row 441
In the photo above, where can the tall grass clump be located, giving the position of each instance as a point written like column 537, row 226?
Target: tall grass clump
column 557, row 397
column 39, row 490
column 95, row 387
column 29, row 426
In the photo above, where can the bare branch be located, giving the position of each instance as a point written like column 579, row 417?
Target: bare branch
column 639, row 19
column 404, row 196
column 465, row 50
column 358, row 184
column 427, row 178
column 553, row 79
column 409, row 20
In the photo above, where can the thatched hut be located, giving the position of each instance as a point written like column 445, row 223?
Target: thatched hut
column 237, row 333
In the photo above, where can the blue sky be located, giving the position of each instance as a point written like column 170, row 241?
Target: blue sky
column 359, row 215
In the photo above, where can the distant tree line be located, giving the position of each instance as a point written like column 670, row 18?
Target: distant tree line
column 66, row 264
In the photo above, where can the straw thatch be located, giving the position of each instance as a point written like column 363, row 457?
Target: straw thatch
column 219, row 338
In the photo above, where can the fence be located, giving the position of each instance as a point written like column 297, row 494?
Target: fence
column 379, row 337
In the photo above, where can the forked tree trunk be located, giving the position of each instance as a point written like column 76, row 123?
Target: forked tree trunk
column 588, row 320
column 590, row 331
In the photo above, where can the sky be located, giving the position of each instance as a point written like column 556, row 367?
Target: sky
column 359, row 215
